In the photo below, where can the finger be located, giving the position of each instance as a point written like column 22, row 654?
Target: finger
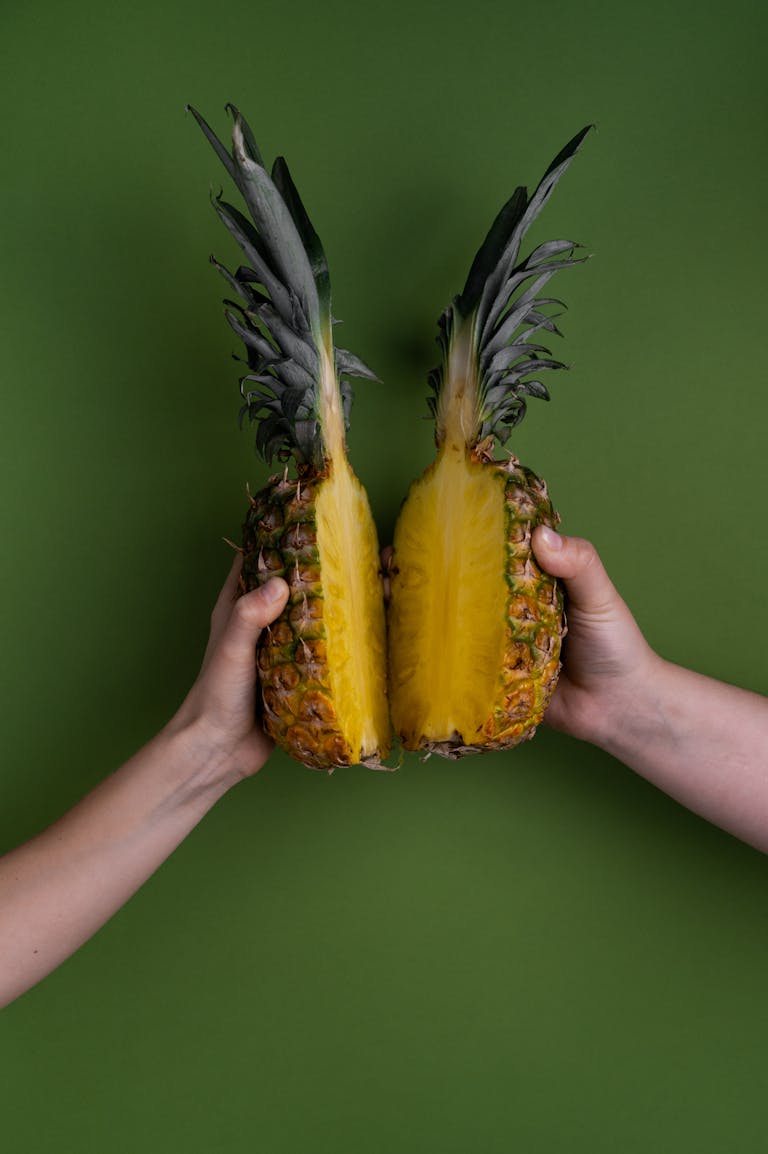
column 222, row 610
column 251, row 613
column 577, row 562
column 229, row 589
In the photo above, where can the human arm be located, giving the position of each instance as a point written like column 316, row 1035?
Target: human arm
column 703, row 742
column 59, row 888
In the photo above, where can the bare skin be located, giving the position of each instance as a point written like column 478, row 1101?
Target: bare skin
column 701, row 741
column 59, row 888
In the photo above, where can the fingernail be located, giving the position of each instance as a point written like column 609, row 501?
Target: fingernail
column 273, row 590
column 551, row 539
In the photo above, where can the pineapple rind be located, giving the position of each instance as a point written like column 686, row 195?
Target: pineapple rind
column 280, row 540
column 535, row 620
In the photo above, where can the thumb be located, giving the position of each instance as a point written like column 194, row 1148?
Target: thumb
column 576, row 561
column 251, row 613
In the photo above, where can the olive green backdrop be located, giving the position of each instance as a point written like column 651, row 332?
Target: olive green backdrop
column 531, row 952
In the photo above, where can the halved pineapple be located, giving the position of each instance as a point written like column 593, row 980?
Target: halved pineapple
column 323, row 662
column 475, row 626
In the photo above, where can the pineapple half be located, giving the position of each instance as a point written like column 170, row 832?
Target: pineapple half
column 322, row 664
column 475, row 626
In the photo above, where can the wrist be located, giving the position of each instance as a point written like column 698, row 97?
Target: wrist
column 634, row 715
column 203, row 759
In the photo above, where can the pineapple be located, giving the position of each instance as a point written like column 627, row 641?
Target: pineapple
column 322, row 664
column 475, row 626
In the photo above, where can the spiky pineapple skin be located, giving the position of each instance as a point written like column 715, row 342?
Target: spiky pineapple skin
column 280, row 540
column 535, row 619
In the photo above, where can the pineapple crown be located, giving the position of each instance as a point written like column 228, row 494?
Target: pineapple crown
column 285, row 321
column 487, row 316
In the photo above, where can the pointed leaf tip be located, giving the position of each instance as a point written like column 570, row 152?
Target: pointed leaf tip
column 569, row 150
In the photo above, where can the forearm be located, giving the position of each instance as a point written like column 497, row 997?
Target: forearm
column 59, row 888
column 703, row 742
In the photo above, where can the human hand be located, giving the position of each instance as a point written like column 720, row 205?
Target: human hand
column 219, row 712
column 607, row 663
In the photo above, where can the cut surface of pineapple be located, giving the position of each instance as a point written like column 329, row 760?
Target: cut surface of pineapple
column 353, row 612
column 449, row 599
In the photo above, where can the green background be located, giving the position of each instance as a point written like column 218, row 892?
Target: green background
column 532, row 952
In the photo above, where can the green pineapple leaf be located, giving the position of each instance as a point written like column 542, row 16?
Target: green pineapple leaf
column 502, row 232
column 499, row 311
column 311, row 241
column 283, row 314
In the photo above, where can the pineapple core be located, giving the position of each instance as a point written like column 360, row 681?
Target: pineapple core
column 449, row 598
column 353, row 611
